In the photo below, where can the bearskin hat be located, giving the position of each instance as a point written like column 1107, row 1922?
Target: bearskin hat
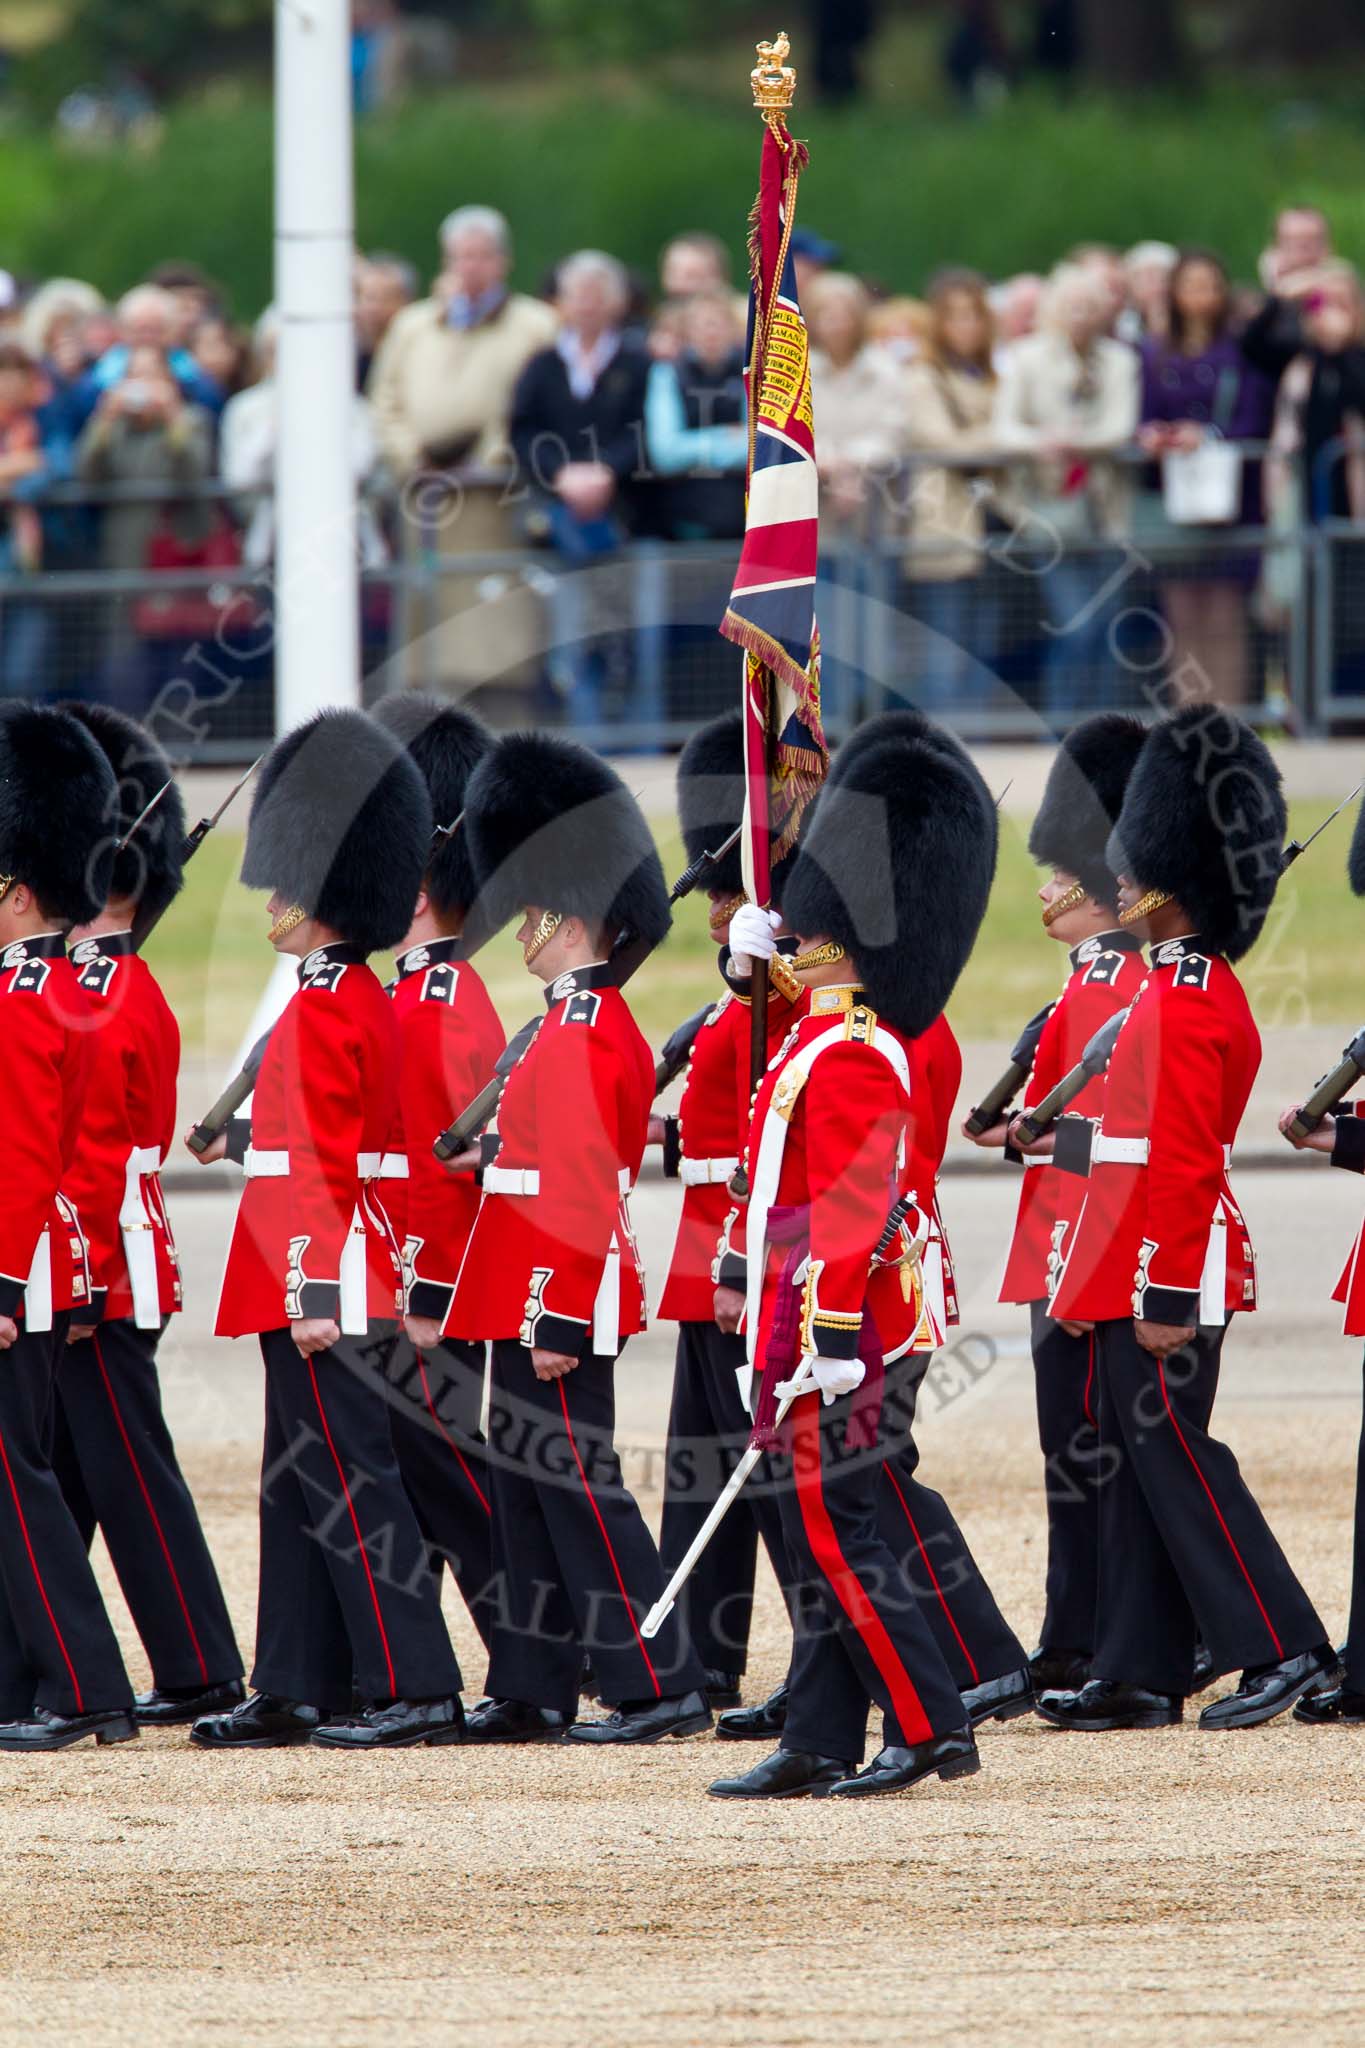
column 896, row 863
column 447, row 744
column 711, row 804
column 1204, row 819
column 150, row 868
column 550, row 823
column 59, row 811
column 1355, row 863
column 341, row 823
column 1084, row 796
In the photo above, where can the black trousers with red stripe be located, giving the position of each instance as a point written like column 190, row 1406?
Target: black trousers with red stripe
column 1184, row 1549
column 862, row 1630
column 435, row 1414
column 708, row 1430
column 1073, row 1468
column 576, row 1567
column 117, row 1465
column 920, row 1528
column 347, row 1594
column 57, row 1649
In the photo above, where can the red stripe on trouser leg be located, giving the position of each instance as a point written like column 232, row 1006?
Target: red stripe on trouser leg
column 616, row 1569
column 455, row 1448
column 147, row 1502
column 38, row 1580
column 1089, row 1383
column 1218, row 1512
column 844, row 1582
column 355, row 1524
column 933, row 1575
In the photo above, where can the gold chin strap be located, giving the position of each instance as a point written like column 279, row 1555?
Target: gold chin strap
column 6, row 884
column 721, row 913
column 546, row 927
column 818, row 956
column 287, row 921
column 1145, row 905
column 1072, row 899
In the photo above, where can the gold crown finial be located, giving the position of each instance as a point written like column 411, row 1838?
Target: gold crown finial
column 773, row 78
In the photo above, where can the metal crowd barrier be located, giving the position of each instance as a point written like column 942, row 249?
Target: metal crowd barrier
column 1004, row 639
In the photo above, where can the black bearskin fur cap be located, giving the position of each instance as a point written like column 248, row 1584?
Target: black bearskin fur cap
column 711, row 804
column 150, row 868
column 1204, row 819
column 58, row 811
column 550, row 823
column 1355, row 863
column 1083, row 798
column 896, row 863
column 447, row 744
column 341, row 823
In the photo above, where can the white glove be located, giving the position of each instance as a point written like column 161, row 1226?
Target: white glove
column 753, row 936
column 833, row 1376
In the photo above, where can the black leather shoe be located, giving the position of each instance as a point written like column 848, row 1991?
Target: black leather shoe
column 786, row 1774
column 755, row 1724
column 999, row 1699
column 649, row 1722
column 46, row 1730
column 723, row 1688
column 1104, row 1704
column 400, row 1724
column 947, row 1756
column 1265, row 1693
column 1204, row 1674
column 1059, row 1670
column 262, row 1721
column 171, row 1706
column 514, row 1721
column 1338, row 1707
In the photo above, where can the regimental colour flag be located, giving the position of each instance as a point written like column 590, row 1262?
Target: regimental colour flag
column 771, row 613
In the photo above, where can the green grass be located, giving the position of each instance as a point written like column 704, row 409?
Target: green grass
column 213, row 959
column 575, row 160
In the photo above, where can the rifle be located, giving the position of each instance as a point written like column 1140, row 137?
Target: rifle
column 216, row 1120
column 1036, row 1122
column 194, row 839
column 993, row 1105
column 1331, row 1089
column 677, row 1048
column 627, row 956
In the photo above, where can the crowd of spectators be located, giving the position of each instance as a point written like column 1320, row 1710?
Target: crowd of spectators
column 1140, row 398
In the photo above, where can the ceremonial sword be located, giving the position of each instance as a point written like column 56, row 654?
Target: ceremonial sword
column 801, row 1383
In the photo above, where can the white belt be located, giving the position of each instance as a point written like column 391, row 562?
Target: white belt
column 1107, row 1151
column 393, row 1166
column 525, row 1180
column 145, row 1159
column 259, row 1165
column 1036, row 1159
column 703, row 1173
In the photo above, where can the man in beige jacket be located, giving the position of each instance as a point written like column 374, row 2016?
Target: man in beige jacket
column 441, row 389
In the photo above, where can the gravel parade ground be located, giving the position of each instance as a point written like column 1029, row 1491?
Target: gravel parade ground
column 1078, row 1886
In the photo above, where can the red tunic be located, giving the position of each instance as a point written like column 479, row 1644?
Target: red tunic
column 312, row 1237
column 936, row 1076
column 840, row 1158
column 49, row 1055
column 1349, row 1152
column 451, row 1040
column 713, row 1126
column 1159, row 1234
column 1106, row 973
column 552, row 1255
column 127, row 1129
